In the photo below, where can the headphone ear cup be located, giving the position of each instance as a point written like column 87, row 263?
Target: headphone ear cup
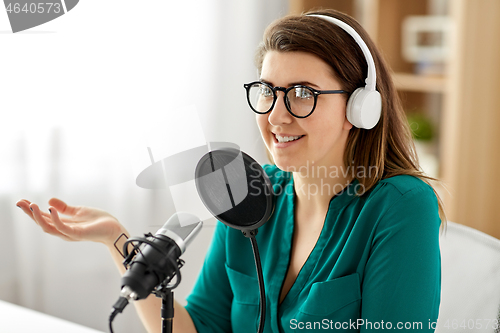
column 364, row 108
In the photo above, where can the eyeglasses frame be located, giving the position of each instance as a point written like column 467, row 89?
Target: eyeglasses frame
column 316, row 93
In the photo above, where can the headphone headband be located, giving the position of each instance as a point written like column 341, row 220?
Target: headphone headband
column 371, row 78
column 364, row 106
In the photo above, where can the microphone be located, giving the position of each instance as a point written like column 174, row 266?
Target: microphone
column 153, row 262
column 155, row 259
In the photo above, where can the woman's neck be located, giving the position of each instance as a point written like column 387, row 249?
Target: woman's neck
column 316, row 185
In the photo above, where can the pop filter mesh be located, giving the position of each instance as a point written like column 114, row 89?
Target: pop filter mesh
column 234, row 188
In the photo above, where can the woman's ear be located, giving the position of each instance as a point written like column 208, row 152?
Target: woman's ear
column 347, row 125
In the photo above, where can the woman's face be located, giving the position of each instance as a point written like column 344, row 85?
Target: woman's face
column 323, row 134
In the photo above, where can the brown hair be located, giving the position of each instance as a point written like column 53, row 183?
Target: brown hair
column 388, row 147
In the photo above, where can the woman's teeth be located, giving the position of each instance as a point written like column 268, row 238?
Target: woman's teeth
column 287, row 138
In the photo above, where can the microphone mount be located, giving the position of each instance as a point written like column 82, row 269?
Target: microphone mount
column 148, row 238
column 164, row 290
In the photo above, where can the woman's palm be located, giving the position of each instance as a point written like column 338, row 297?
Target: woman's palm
column 78, row 223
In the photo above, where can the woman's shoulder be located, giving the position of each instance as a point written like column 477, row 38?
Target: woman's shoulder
column 401, row 202
column 402, row 185
column 399, row 194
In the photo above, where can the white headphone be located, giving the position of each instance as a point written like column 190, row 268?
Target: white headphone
column 365, row 104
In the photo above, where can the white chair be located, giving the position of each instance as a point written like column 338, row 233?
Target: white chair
column 470, row 281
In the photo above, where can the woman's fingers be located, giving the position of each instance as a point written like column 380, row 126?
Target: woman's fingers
column 43, row 222
column 25, row 207
column 62, row 227
column 62, row 207
column 23, row 202
column 38, row 217
column 81, row 223
column 51, row 223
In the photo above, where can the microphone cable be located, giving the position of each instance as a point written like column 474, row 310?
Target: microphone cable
column 117, row 308
column 260, row 278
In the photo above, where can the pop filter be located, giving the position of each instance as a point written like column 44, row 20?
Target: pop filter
column 237, row 191
column 234, row 188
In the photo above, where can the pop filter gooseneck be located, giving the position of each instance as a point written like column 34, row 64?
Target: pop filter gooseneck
column 237, row 191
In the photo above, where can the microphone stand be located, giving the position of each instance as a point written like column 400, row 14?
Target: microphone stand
column 250, row 234
column 165, row 292
column 167, row 308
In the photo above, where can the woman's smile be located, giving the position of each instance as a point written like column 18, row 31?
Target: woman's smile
column 286, row 140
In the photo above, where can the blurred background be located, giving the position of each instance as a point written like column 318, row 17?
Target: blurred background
column 80, row 92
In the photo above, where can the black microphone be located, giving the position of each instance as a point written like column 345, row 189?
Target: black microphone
column 155, row 260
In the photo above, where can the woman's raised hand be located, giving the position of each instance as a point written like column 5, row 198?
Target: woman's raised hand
column 78, row 223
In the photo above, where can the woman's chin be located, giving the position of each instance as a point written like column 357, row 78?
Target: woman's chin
column 286, row 166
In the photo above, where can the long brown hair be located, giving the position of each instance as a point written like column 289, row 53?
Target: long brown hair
column 388, row 147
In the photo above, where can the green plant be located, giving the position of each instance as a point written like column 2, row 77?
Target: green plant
column 421, row 126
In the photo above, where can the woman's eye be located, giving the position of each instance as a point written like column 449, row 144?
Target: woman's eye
column 265, row 91
column 303, row 93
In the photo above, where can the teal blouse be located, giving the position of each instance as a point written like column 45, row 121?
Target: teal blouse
column 376, row 265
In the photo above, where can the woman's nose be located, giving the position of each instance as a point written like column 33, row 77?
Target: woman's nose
column 279, row 114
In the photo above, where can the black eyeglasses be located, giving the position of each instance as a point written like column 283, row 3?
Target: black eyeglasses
column 300, row 100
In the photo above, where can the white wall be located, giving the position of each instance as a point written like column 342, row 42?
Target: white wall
column 76, row 94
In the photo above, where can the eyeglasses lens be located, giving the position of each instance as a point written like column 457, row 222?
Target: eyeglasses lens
column 261, row 97
column 301, row 101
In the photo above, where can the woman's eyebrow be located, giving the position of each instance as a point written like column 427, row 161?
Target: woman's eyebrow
column 304, row 83
column 291, row 84
column 266, row 81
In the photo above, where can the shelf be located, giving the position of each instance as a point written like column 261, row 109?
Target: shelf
column 466, row 114
column 412, row 82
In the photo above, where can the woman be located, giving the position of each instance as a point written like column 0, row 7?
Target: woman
column 353, row 241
